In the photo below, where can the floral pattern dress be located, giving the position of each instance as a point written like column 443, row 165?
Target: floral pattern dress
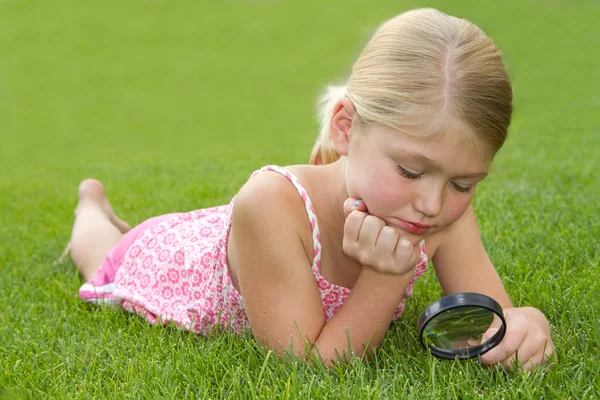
column 173, row 269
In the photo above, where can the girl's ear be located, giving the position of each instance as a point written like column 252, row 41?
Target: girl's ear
column 341, row 123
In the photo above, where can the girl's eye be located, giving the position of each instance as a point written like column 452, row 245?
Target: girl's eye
column 462, row 189
column 408, row 174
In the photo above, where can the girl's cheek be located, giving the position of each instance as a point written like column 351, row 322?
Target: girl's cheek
column 353, row 189
column 385, row 198
column 456, row 209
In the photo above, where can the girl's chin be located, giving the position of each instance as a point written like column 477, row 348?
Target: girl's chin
column 414, row 238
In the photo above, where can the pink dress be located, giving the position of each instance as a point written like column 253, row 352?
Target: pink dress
column 173, row 269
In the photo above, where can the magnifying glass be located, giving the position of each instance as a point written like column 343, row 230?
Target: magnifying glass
column 453, row 327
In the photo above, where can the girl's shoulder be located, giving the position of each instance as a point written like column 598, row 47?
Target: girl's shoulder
column 274, row 184
column 269, row 191
column 271, row 198
column 281, row 187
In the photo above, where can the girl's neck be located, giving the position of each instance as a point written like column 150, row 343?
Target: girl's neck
column 327, row 189
column 328, row 195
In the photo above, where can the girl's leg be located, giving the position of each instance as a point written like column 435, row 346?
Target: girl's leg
column 96, row 229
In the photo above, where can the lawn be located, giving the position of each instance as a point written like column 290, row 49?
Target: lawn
column 173, row 104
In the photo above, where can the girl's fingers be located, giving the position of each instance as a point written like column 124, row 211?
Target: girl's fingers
column 354, row 219
column 406, row 252
column 496, row 324
column 522, row 356
column 372, row 243
column 531, row 352
column 369, row 232
column 506, row 348
column 406, row 256
column 387, row 241
column 492, row 330
column 537, row 359
column 349, row 206
column 353, row 226
column 527, row 342
column 352, row 204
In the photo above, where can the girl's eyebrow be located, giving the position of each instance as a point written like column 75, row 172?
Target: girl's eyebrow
column 426, row 160
column 420, row 157
column 478, row 175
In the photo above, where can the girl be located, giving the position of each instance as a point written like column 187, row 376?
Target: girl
column 323, row 256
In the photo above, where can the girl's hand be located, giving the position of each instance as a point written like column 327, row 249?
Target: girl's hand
column 527, row 342
column 368, row 240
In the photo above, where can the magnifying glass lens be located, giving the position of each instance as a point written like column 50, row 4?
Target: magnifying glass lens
column 453, row 326
column 458, row 328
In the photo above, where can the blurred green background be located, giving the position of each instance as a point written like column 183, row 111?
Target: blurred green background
column 173, row 104
column 86, row 83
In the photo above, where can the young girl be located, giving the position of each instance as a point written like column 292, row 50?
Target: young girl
column 323, row 256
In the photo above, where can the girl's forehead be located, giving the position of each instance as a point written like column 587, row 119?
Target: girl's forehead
column 455, row 153
column 454, row 140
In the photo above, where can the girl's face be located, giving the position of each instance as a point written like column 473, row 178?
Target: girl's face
column 418, row 186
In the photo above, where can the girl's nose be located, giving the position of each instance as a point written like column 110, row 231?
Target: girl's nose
column 429, row 202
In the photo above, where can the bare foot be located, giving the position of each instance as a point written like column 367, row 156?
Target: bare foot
column 91, row 194
column 93, row 206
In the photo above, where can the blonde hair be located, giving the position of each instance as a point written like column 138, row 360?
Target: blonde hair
column 421, row 70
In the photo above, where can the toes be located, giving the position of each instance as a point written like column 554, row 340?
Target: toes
column 91, row 194
column 91, row 189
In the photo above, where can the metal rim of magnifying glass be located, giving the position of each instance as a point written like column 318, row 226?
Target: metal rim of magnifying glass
column 457, row 300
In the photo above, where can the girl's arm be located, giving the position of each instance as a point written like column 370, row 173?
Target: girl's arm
column 363, row 320
column 273, row 248
column 462, row 265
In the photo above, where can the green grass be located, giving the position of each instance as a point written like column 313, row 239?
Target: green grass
column 174, row 104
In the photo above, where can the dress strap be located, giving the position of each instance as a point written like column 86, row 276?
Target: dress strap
column 310, row 211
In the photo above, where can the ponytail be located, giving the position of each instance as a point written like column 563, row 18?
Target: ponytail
column 323, row 151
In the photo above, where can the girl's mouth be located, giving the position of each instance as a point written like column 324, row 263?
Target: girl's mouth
column 412, row 227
